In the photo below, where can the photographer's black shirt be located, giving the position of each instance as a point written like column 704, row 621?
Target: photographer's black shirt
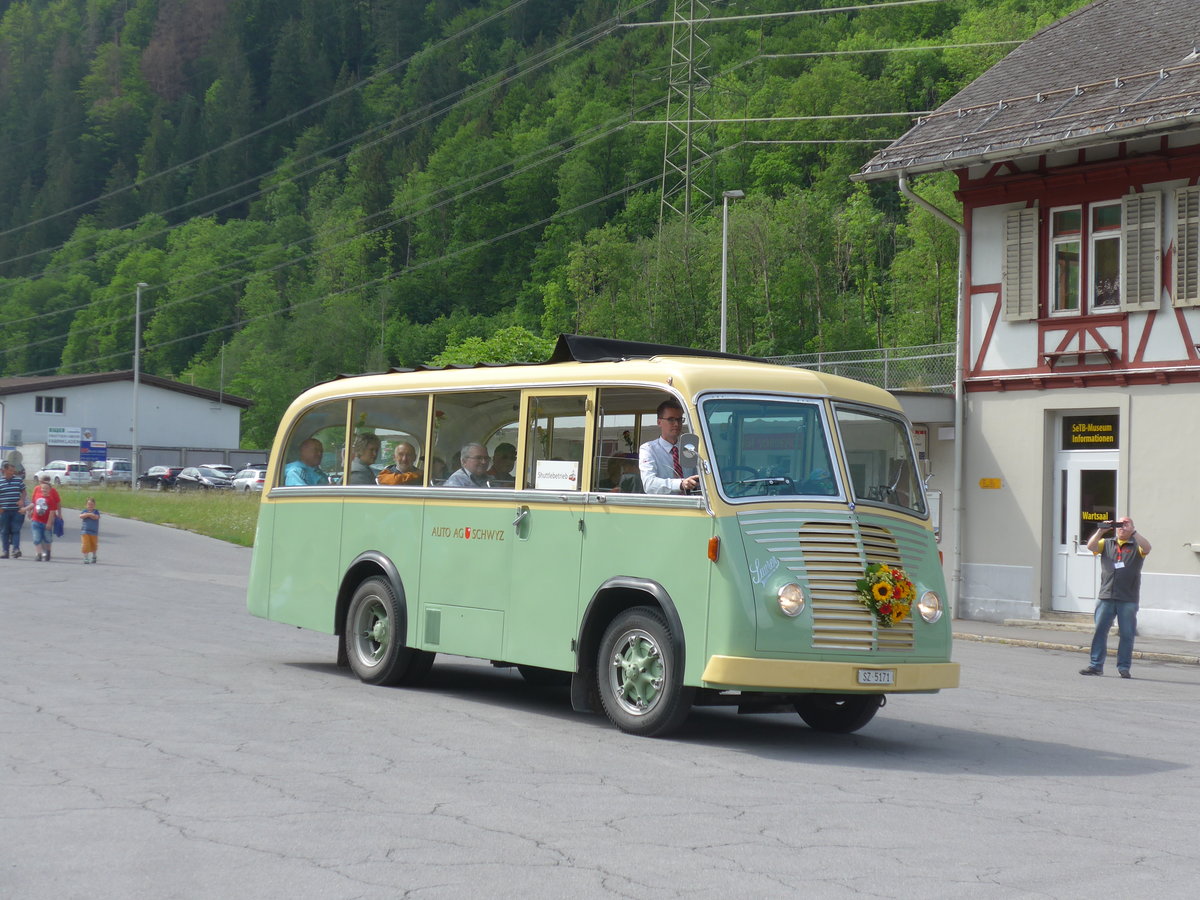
column 1124, row 581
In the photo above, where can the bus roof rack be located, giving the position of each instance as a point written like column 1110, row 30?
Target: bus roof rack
column 583, row 348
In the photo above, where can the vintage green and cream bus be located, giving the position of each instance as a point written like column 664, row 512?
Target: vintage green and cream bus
column 802, row 573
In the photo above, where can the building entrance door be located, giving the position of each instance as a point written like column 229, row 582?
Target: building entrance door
column 1085, row 495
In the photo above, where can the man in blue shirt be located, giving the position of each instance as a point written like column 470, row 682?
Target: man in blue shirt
column 307, row 469
column 12, row 500
column 473, row 474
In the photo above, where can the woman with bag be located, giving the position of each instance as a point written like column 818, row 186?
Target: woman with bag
column 45, row 514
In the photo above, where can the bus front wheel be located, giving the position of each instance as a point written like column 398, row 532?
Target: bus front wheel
column 838, row 713
column 639, row 677
column 375, row 651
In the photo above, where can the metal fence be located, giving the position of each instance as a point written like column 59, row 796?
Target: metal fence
column 929, row 367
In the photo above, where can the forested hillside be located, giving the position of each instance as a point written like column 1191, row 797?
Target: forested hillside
column 310, row 187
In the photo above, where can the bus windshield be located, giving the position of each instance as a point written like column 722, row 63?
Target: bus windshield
column 879, row 459
column 769, row 447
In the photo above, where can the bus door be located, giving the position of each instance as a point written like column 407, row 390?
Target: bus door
column 549, row 528
column 466, row 547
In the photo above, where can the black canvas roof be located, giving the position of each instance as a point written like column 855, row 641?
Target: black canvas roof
column 582, row 348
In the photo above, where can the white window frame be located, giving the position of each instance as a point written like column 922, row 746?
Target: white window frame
column 1094, row 237
column 1055, row 241
column 41, row 401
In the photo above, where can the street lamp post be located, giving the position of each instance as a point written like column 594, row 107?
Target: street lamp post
column 725, row 198
column 137, row 366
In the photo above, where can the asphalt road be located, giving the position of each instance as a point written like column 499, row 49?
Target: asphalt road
column 159, row 742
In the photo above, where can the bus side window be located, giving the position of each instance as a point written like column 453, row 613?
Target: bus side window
column 486, row 418
column 389, row 435
column 627, row 419
column 316, row 447
column 554, row 446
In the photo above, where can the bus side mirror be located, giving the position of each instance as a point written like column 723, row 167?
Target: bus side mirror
column 689, row 447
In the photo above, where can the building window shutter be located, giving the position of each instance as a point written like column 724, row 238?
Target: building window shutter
column 1142, row 280
column 1187, row 246
column 1020, row 265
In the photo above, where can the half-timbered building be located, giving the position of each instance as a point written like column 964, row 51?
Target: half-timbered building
column 1078, row 165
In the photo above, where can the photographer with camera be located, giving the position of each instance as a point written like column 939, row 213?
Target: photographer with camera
column 1120, row 588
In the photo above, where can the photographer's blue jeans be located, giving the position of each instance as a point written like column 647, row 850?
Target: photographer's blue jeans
column 1125, row 612
column 11, row 521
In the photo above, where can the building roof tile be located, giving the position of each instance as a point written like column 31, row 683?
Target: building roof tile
column 1113, row 70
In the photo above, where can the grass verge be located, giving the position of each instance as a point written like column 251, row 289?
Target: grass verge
column 225, row 515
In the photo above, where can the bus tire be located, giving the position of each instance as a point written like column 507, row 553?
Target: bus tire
column 639, row 678
column 376, row 654
column 838, row 713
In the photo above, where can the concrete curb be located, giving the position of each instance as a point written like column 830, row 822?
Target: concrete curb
column 1186, row 659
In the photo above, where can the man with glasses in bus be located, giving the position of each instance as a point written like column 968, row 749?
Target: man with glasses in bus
column 1120, row 589
column 658, row 460
column 473, row 474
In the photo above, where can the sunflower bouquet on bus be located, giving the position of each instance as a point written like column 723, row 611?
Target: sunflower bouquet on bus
column 886, row 591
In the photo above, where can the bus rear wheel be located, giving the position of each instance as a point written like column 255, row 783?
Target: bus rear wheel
column 375, row 651
column 639, row 677
column 838, row 713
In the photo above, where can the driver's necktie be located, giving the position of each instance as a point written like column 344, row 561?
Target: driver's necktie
column 675, row 462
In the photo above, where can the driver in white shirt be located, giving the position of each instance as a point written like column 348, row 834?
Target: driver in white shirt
column 658, row 460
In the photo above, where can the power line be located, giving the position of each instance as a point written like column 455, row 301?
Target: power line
column 537, row 157
column 265, row 128
column 536, row 62
column 717, row 20
column 477, row 245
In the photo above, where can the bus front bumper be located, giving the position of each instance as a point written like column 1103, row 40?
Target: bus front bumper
column 744, row 673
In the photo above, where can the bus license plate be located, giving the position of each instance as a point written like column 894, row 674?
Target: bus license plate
column 876, row 676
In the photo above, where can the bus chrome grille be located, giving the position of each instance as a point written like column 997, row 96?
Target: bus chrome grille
column 828, row 557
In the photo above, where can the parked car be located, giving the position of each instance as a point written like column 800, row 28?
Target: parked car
column 202, row 478
column 220, row 467
column 112, row 471
column 63, row 471
column 159, row 478
column 250, row 478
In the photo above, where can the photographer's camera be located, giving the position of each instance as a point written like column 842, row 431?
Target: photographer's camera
column 1109, row 523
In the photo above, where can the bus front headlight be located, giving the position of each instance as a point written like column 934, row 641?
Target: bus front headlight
column 930, row 606
column 791, row 599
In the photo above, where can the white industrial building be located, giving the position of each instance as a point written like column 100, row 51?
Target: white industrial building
column 47, row 417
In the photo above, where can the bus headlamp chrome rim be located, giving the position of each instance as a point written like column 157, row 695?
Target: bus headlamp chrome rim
column 791, row 599
column 930, row 606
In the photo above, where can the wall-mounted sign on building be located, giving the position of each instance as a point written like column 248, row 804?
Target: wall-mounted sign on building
column 1094, row 432
column 63, row 435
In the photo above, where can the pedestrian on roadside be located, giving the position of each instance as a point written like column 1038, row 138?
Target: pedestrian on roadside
column 13, row 499
column 1121, row 560
column 89, row 530
column 44, row 508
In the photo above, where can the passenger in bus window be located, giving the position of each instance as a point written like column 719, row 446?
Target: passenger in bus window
column 503, row 460
column 658, row 460
column 366, row 451
column 306, row 469
column 403, row 470
column 473, row 474
column 612, row 475
column 438, row 470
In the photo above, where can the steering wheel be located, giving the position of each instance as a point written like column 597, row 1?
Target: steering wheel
column 761, row 487
column 734, row 485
